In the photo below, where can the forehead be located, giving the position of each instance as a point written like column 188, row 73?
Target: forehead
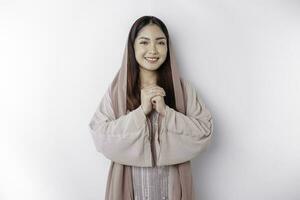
column 151, row 30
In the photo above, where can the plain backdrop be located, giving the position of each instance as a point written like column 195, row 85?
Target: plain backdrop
column 57, row 58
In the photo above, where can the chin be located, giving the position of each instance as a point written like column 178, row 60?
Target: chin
column 151, row 68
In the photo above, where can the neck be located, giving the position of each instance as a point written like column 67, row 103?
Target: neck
column 147, row 77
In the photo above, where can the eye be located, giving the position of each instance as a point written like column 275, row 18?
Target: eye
column 162, row 43
column 143, row 42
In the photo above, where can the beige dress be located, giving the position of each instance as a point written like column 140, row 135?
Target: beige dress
column 126, row 140
column 151, row 183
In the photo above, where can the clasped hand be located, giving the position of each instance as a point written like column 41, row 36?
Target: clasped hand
column 152, row 97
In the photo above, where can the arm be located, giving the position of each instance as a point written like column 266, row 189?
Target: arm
column 124, row 140
column 183, row 137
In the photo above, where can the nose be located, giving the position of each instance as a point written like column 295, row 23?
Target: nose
column 153, row 49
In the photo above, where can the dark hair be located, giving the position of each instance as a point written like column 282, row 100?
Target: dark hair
column 164, row 79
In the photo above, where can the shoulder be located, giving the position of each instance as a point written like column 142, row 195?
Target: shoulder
column 188, row 88
column 106, row 98
column 192, row 96
column 105, row 106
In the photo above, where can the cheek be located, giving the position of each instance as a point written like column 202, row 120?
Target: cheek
column 163, row 51
column 163, row 56
column 140, row 52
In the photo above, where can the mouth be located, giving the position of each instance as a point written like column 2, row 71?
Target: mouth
column 152, row 59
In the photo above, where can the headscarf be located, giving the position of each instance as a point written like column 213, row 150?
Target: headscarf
column 119, row 182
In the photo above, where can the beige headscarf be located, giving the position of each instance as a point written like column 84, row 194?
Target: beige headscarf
column 119, row 182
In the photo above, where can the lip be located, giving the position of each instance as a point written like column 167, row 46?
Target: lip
column 152, row 57
column 152, row 61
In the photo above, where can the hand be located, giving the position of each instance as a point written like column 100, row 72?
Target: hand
column 159, row 104
column 147, row 93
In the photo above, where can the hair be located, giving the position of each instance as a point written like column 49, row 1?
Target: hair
column 164, row 72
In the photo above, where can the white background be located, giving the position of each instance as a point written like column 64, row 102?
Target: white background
column 57, row 58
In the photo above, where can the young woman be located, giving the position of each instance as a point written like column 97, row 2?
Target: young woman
column 151, row 122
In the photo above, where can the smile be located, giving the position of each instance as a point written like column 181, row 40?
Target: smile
column 151, row 59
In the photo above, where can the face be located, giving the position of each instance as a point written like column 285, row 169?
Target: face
column 150, row 47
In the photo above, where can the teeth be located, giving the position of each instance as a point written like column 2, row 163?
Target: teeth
column 152, row 59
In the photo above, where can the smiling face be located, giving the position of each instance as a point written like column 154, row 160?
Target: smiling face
column 150, row 47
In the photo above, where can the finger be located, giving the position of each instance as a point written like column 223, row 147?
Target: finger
column 156, row 94
column 156, row 98
column 156, row 90
column 152, row 87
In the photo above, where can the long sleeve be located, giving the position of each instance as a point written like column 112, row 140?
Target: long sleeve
column 183, row 137
column 124, row 140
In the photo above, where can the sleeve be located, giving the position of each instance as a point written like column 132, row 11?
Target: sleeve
column 124, row 140
column 183, row 137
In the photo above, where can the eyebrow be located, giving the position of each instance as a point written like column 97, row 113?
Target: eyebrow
column 149, row 39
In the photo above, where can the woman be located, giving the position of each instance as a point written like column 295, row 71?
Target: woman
column 150, row 122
